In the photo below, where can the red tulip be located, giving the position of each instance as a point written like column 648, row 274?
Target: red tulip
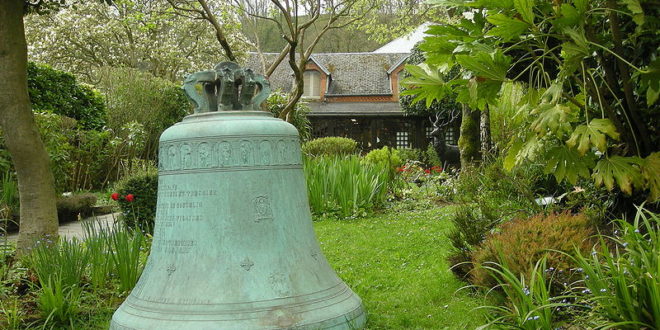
column 427, row 171
column 130, row 197
column 115, row 196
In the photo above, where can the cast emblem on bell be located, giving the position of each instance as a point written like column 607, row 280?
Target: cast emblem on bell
column 232, row 246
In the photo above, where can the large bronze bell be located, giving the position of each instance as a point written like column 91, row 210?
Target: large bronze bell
column 233, row 246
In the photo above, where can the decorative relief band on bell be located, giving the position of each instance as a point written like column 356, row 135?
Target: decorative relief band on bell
column 229, row 154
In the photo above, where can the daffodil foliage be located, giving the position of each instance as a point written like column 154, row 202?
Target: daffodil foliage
column 583, row 76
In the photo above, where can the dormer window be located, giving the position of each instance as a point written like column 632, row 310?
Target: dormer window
column 312, row 80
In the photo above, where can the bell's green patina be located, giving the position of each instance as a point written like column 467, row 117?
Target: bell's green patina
column 234, row 246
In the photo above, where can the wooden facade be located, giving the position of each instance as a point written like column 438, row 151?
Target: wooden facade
column 358, row 98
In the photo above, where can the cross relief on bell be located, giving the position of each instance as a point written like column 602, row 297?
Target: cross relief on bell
column 227, row 87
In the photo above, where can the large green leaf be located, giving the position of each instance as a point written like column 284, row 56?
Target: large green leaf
column 625, row 171
column 569, row 16
column 651, row 81
column 511, row 158
column 592, row 134
column 651, row 174
column 506, row 27
column 578, row 37
column 552, row 118
column 566, row 163
column 426, row 82
column 486, row 65
column 636, row 9
column 526, row 9
column 571, row 50
column 581, row 5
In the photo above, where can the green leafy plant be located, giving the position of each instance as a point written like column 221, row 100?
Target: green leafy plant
column 136, row 96
column 139, row 210
column 471, row 225
column 330, row 146
column 55, row 130
column 11, row 313
column 57, row 301
column 345, row 186
column 69, row 208
column 589, row 78
column 9, row 203
column 278, row 100
column 530, row 304
column 623, row 281
column 384, row 156
column 97, row 243
column 125, row 247
column 65, row 259
column 59, row 92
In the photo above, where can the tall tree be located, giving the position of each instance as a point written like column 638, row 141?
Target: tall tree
column 294, row 19
column 142, row 34
column 590, row 71
column 38, row 214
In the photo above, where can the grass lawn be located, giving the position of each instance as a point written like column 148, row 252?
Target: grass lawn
column 395, row 262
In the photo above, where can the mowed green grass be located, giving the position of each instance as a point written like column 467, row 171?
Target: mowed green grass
column 396, row 263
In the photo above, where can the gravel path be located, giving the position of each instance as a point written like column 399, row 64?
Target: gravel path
column 75, row 228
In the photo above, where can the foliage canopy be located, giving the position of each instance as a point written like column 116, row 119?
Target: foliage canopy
column 588, row 72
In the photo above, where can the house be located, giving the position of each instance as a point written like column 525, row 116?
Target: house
column 356, row 95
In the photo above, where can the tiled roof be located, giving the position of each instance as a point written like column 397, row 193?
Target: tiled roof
column 355, row 108
column 351, row 73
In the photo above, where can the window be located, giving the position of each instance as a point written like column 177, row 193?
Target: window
column 312, row 80
column 450, row 136
column 402, row 140
column 429, row 130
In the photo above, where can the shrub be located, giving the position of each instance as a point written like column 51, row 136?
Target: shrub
column 57, row 302
column 624, row 284
column 471, row 224
column 330, row 146
column 55, row 131
column 69, row 207
column 66, row 259
column 58, row 92
column 345, row 186
column 428, row 157
column 530, row 303
column 409, row 155
column 384, row 156
column 432, row 157
column 520, row 243
column 92, row 158
column 133, row 95
column 277, row 101
column 9, row 202
column 137, row 199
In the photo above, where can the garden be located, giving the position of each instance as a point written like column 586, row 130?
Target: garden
column 549, row 219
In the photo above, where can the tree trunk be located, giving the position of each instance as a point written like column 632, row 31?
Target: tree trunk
column 486, row 144
column 468, row 142
column 35, row 180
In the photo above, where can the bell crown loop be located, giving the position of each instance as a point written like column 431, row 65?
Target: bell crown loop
column 226, row 88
